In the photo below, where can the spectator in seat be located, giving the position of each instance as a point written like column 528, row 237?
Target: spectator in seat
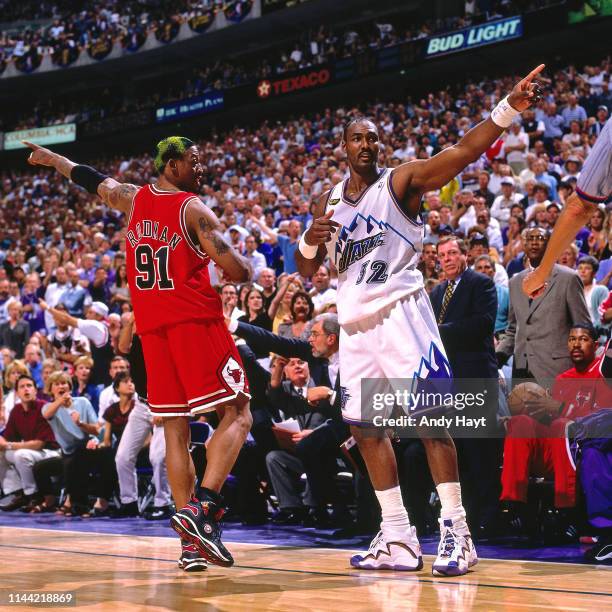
column 73, row 422
column 67, row 343
column 82, row 386
column 536, row 440
column 229, row 300
column 267, row 281
column 288, row 244
column 108, row 395
column 33, row 358
column 120, row 292
column 256, row 312
column 503, row 203
column 594, row 295
column 12, row 372
column 483, row 190
column 95, row 328
column 256, row 259
column 15, row 333
column 322, row 293
column 74, row 295
column 53, row 294
column 26, row 440
column 485, row 265
column 285, row 467
column 301, row 311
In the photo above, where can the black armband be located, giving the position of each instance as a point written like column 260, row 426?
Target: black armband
column 87, row 177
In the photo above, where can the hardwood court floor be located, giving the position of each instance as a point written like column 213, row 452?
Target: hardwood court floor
column 117, row 572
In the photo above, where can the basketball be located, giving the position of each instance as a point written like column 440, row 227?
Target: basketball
column 522, row 392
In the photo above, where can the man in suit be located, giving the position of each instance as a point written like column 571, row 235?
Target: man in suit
column 465, row 306
column 319, row 450
column 538, row 328
column 289, row 396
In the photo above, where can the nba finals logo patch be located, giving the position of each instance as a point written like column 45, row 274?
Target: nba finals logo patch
column 233, row 373
column 333, row 202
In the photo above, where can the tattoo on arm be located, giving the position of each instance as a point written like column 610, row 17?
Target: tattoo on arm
column 211, row 234
column 121, row 195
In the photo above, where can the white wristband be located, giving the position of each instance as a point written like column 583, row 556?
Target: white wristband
column 503, row 113
column 307, row 250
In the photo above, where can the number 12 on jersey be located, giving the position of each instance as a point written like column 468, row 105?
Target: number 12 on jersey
column 378, row 272
column 149, row 275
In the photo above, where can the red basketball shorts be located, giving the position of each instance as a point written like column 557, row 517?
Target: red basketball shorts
column 192, row 367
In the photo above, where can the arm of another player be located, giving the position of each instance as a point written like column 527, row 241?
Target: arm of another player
column 311, row 252
column 204, row 225
column 115, row 194
column 594, row 187
column 424, row 175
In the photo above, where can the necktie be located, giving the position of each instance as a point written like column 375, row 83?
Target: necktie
column 448, row 294
column 300, row 391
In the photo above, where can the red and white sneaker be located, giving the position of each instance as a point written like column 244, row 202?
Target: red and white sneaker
column 400, row 555
column 199, row 523
column 191, row 560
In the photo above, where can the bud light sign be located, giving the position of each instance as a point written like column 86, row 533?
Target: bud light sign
column 476, row 36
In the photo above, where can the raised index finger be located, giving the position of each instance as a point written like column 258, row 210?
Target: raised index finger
column 31, row 145
column 533, row 74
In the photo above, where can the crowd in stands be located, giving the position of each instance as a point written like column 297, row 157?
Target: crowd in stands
column 65, row 303
column 94, row 29
column 95, row 26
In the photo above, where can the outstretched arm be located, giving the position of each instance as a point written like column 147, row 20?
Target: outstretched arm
column 412, row 179
column 115, row 194
column 594, row 187
column 205, row 230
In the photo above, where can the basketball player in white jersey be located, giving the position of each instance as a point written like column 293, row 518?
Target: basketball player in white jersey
column 370, row 227
column 594, row 187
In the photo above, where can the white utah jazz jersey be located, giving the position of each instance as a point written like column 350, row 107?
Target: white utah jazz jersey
column 376, row 249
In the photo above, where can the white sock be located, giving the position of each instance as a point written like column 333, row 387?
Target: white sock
column 450, row 498
column 395, row 524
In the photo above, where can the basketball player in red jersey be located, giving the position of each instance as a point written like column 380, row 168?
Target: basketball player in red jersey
column 192, row 363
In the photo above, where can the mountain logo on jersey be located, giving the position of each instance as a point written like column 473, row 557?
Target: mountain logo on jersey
column 348, row 251
column 434, row 380
column 354, row 250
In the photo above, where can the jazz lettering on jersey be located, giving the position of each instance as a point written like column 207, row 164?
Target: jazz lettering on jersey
column 354, row 250
column 150, row 229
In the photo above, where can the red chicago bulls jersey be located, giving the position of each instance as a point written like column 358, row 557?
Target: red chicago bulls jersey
column 167, row 271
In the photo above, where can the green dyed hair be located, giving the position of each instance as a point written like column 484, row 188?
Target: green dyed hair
column 173, row 147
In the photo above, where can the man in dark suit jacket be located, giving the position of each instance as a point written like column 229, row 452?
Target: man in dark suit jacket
column 465, row 306
column 319, row 450
column 289, row 395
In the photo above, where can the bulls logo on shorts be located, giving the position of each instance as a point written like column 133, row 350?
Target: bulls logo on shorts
column 233, row 374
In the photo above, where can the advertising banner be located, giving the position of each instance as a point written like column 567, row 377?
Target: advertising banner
column 52, row 134
column 475, row 36
column 311, row 78
column 192, row 106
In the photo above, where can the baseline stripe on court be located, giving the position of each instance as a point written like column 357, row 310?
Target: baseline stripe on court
column 358, row 576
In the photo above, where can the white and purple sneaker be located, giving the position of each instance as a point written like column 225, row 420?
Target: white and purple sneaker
column 399, row 555
column 456, row 552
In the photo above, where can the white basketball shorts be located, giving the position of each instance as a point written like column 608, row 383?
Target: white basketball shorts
column 399, row 342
